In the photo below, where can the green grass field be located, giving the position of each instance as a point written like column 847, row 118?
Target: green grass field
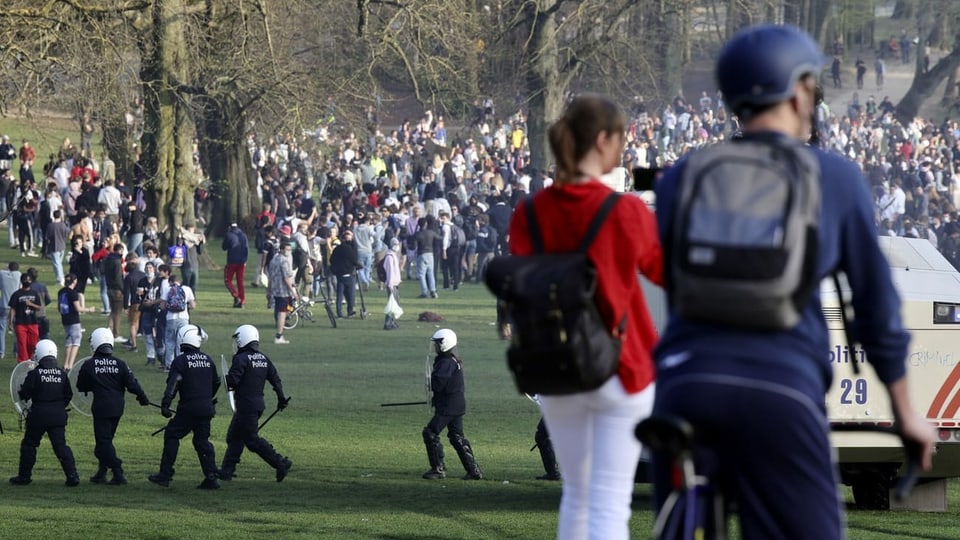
column 45, row 134
column 356, row 465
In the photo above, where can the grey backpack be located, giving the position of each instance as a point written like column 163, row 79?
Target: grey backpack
column 744, row 243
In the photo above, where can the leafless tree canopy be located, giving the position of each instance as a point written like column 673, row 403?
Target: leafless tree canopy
column 215, row 72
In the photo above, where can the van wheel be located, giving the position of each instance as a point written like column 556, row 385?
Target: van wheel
column 871, row 491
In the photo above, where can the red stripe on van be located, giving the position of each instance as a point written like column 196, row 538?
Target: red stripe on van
column 943, row 393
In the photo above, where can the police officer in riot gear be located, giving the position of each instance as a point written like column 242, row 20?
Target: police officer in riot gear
column 48, row 388
column 450, row 405
column 551, row 469
column 194, row 376
column 107, row 377
column 248, row 373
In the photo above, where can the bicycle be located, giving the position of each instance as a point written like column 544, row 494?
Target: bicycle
column 300, row 310
column 327, row 303
column 697, row 508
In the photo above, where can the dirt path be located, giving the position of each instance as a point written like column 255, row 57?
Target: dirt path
column 896, row 83
column 699, row 77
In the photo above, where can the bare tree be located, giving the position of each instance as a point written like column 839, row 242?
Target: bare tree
column 926, row 80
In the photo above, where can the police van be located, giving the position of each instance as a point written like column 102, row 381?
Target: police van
column 929, row 288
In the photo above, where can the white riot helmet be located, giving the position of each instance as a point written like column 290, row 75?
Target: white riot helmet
column 190, row 335
column 444, row 339
column 244, row 335
column 101, row 337
column 45, row 348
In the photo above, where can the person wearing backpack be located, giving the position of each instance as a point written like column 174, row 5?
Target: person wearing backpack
column 759, row 379
column 177, row 300
column 592, row 431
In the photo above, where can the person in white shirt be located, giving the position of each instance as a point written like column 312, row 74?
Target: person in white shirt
column 175, row 319
column 62, row 175
column 110, row 197
column 893, row 204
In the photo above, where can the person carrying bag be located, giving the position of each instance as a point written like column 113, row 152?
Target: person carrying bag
column 592, row 426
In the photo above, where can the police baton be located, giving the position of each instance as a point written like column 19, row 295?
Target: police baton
column 403, row 404
column 280, row 406
column 157, row 432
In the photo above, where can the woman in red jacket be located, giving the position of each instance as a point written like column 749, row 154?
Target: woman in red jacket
column 592, row 431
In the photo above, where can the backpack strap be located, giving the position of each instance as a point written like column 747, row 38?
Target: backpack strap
column 597, row 221
column 592, row 229
column 535, row 237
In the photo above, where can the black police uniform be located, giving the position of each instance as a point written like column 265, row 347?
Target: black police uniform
column 48, row 388
column 195, row 377
column 547, row 455
column 450, row 405
column 108, row 377
column 248, row 373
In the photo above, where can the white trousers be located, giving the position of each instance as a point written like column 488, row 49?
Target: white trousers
column 592, row 434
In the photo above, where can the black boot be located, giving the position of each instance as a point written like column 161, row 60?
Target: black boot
column 550, row 467
column 226, row 472
column 28, row 457
column 100, row 477
column 283, row 467
column 65, row 455
column 465, row 453
column 159, row 480
column 547, row 456
column 118, row 478
column 209, row 482
column 434, row 455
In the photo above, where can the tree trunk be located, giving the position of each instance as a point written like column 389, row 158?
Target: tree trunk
column 738, row 15
column 670, row 49
column 232, row 180
column 792, row 11
column 823, row 18
column 924, row 84
column 167, row 138
column 543, row 85
column 951, row 92
column 903, row 10
column 118, row 144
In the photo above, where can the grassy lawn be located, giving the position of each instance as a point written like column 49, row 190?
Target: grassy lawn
column 357, row 465
column 45, row 134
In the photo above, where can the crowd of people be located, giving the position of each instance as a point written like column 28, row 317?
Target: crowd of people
column 420, row 204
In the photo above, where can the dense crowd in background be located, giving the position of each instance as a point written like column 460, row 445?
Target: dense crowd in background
column 395, row 183
column 443, row 194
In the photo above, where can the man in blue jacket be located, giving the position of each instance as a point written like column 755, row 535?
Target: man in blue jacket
column 763, row 390
column 235, row 244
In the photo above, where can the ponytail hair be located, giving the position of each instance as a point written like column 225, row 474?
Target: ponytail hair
column 575, row 132
column 563, row 148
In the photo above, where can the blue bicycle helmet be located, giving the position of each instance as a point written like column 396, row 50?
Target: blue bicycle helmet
column 761, row 64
